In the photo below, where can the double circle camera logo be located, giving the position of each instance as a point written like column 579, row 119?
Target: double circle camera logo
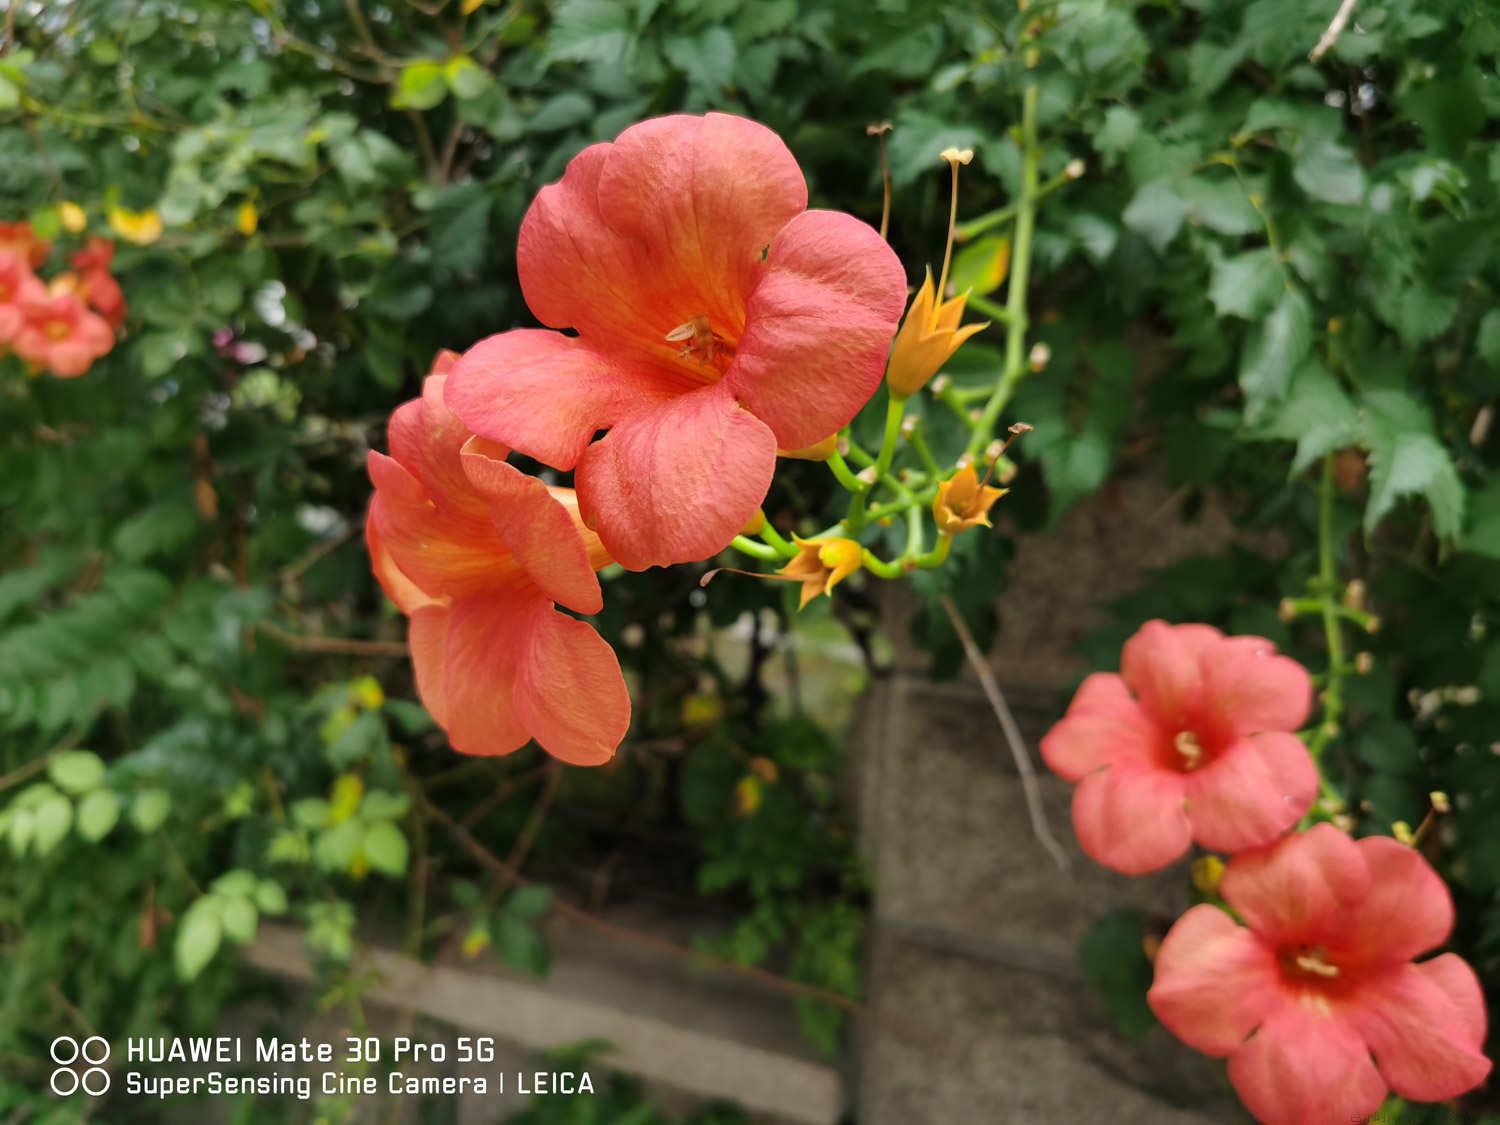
column 88, row 1074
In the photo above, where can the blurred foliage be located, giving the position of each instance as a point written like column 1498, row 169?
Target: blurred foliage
column 1266, row 261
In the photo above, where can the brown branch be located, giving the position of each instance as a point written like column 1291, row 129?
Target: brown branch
column 1335, row 29
column 347, row 646
column 1034, row 808
column 488, row 859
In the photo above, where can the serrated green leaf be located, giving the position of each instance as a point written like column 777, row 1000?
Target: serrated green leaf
column 1273, row 349
column 1156, row 213
column 1247, row 285
column 1415, row 464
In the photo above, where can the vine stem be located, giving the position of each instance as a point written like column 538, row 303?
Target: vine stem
column 1032, row 789
column 1333, row 693
column 895, row 410
column 506, row 871
column 1020, row 276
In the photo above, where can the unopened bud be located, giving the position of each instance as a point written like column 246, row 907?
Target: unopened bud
column 1207, row 871
column 1006, row 471
column 993, row 451
column 1354, row 594
column 1041, row 355
column 1372, row 625
column 1150, row 946
column 1364, row 663
column 908, row 424
column 1440, row 802
column 1287, row 610
column 1074, row 169
column 867, row 476
column 940, row 384
column 976, row 414
column 1344, row 822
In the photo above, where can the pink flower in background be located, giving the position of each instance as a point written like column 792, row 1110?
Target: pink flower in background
column 717, row 319
column 476, row 553
column 17, row 283
column 1192, row 741
column 1321, row 977
column 96, row 284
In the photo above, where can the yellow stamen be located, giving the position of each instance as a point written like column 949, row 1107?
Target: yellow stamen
column 1314, row 962
column 1186, row 743
column 954, row 157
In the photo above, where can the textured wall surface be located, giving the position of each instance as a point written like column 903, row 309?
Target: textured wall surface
column 976, row 1008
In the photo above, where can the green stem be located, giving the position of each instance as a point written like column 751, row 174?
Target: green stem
column 748, row 546
column 881, row 569
column 895, row 410
column 919, row 442
column 938, row 555
column 1020, row 276
column 845, row 475
column 1333, row 693
column 976, row 226
column 774, row 539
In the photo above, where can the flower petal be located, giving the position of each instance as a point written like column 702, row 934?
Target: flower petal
column 1306, row 1067
column 1252, row 792
column 705, row 194
column 406, row 594
column 818, row 326
column 1250, row 688
column 427, row 639
column 1162, row 665
column 1420, row 1031
column 425, row 437
column 1103, row 723
column 570, row 692
column 446, row 548
column 481, row 655
column 675, row 483
column 535, row 528
column 665, row 224
column 546, row 394
column 1407, row 911
column 1215, row 981
column 1298, row 889
column 1131, row 818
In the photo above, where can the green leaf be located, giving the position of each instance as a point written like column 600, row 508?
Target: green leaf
column 270, row 897
column 381, row 805
column 1247, row 285
column 421, row 85
column 1121, row 126
column 1329, row 172
column 98, row 813
column 460, row 218
column 1156, row 213
column 590, row 31
column 384, row 845
column 1415, row 464
column 521, row 945
column 198, row 937
column 530, row 901
column 1273, row 349
column 1115, row 966
column 466, row 78
column 76, row 771
column 239, row 919
column 51, row 820
column 149, row 810
column 1317, row 415
column 981, row 266
column 1483, row 536
column 236, row 883
column 1487, row 342
column 10, row 96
